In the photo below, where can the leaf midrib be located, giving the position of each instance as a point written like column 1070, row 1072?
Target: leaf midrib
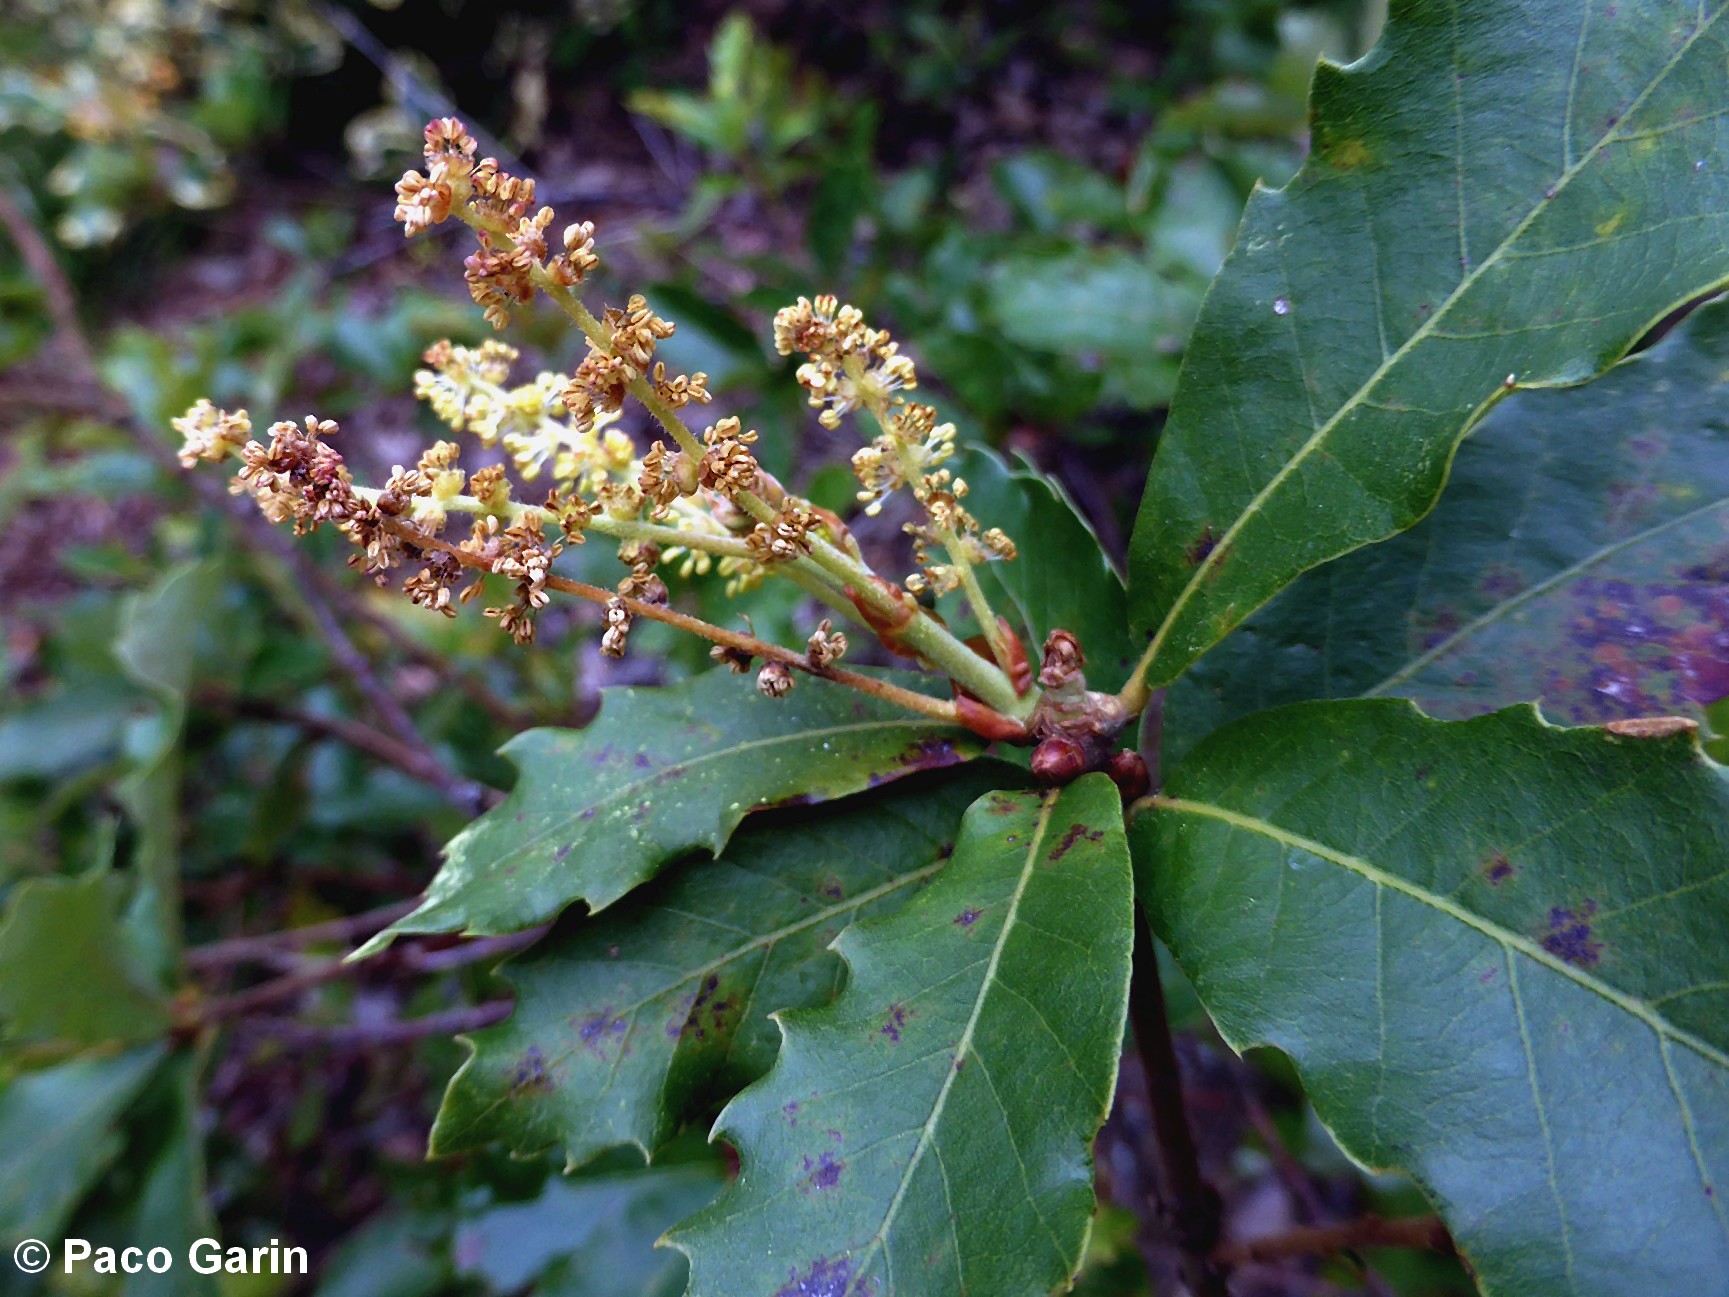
column 1507, row 939
column 1388, row 363
column 927, row 1132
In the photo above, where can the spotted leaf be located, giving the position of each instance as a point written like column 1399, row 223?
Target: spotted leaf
column 661, row 772
column 628, row 1022
column 1496, row 951
column 929, row 1131
column 1580, row 558
column 1502, row 194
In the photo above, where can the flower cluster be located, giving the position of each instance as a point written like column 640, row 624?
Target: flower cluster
column 693, row 502
column 848, row 363
column 851, row 365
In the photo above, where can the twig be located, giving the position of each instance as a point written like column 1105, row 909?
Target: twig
column 40, row 260
column 1188, row 1205
column 503, row 713
column 1295, row 1176
column 63, row 310
column 240, row 950
column 242, row 1003
column 471, row 952
column 1424, row 1233
column 362, row 738
column 395, row 1032
column 415, row 962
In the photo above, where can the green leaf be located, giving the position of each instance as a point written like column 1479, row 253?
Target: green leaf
column 1496, row 950
column 1498, row 192
column 1572, row 561
column 171, row 1207
column 72, row 969
column 58, row 1132
column 1109, row 309
column 929, row 1131
column 627, row 1022
column 1061, row 576
column 168, row 637
column 658, row 773
column 591, row 1236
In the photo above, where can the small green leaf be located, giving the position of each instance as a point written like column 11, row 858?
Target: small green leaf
column 929, row 1131
column 1572, row 562
column 1497, row 952
column 1060, row 578
column 1500, row 193
column 627, row 1021
column 72, row 969
column 58, row 1132
column 661, row 772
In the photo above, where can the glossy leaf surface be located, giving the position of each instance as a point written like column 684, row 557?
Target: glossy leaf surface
column 1502, row 192
column 1577, row 558
column 626, row 1021
column 1496, row 951
column 929, row 1131
column 659, row 773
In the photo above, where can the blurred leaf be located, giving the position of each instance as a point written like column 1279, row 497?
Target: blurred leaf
column 170, row 1209
column 1060, row 578
column 626, row 1023
column 658, row 773
column 1352, row 337
column 1051, row 192
column 71, row 969
column 591, row 1236
column 394, row 1255
column 1576, row 558
column 58, row 1131
column 710, row 338
column 69, row 731
column 842, row 198
column 1495, row 949
column 165, row 641
column 1108, row 302
column 936, row 1119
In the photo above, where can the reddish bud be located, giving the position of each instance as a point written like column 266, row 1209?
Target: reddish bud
column 1129, row 773
column 1059, row 760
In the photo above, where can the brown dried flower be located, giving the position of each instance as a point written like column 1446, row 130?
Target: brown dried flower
column 826, row 645
column 774, row 680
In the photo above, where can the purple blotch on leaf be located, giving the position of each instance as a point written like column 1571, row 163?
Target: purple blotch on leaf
column 824, row 1172
column 531, row 1074
column 896, row 1020
column 824, row 1278
column 1569, row 935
